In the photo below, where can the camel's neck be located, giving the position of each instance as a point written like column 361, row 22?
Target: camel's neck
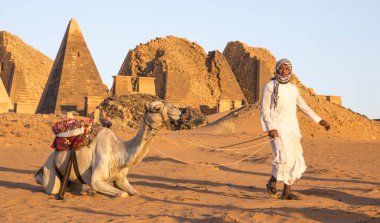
column 139, row 146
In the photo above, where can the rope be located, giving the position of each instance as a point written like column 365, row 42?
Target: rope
column 215, row 165
column 221, row 148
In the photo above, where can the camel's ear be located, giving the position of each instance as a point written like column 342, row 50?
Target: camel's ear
column 146, row 107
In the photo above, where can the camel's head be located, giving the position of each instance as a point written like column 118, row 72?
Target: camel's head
column 158, row 114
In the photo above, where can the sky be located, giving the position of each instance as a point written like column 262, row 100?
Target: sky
column 334, row 45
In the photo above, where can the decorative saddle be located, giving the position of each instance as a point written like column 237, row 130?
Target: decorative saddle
column 75, row 134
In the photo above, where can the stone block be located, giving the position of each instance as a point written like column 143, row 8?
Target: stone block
column 91, row 102
column 69, row 108
column 335, row 99
column 238, row 104
column 146, row 85
column 25, row 107
column 225, row 105
column 122, row 85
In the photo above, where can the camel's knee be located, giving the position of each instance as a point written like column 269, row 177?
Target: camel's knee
column 98, row 184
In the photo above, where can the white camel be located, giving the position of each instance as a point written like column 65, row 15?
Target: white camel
column 104, row 164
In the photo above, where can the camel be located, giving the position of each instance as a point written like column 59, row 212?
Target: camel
column 104, row 164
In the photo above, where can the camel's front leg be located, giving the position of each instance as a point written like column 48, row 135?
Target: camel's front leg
column 100, row 182
column 105, row 187
column 125, row 186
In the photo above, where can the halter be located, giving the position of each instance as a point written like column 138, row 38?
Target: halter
column 162, row 117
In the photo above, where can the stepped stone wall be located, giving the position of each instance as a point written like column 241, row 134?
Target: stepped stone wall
column 73, row 77
column 253, row 67
column 221, row 73
column 23, row 70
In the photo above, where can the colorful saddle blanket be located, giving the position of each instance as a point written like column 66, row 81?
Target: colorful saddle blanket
column 72, row 133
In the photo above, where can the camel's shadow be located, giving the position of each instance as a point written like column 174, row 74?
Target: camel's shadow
column 16, row 185
column 24, row 186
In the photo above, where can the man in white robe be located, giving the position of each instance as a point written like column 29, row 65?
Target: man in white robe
column 279, row 118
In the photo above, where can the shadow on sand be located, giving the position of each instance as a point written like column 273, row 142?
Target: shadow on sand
column 7, row 169
column 304, row 177
column 24, row 186
column 342, row 197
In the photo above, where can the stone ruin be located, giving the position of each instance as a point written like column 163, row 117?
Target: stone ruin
column 74, row 78
column 253, row 67
column 124, row 85
column 5, row 101
column 184, row 73
column 334, row 99
column 23, row 71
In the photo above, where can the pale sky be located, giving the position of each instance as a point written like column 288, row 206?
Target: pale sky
column 334, row 45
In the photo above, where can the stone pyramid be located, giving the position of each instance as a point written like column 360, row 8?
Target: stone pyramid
column 219, row 68
column 5, row 102
column 252, row 66
column 73, row 77
column 184, row 73
column 24, row 72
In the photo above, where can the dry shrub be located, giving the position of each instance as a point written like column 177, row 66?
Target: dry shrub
column 227, row 127
column 128, row 110
column 190, row 118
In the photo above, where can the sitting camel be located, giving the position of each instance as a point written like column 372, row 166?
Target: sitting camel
column 104, row 164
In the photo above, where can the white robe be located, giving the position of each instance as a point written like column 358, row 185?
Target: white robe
column 288, row 163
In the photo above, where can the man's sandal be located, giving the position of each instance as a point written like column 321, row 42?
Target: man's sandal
column 291, row 197
column 271, row 191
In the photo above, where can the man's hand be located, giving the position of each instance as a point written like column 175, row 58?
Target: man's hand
column 325, row 124
column 273, row 133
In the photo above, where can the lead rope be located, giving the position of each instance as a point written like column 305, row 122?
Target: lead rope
column 221, row 164
column 223, row 147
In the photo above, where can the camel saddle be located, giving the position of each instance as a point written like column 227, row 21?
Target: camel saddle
column 75, row 134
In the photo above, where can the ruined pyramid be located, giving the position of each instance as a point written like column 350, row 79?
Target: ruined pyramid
column 252, row 66
column 23, row 71
column 184, row 73
column 73, row 77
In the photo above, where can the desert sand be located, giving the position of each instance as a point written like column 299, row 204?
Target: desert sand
column 341, row 183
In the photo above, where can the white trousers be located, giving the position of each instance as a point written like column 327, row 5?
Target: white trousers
column 288, row 163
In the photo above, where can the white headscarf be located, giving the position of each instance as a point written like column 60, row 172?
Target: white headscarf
column 283, row 80
column 278, row 79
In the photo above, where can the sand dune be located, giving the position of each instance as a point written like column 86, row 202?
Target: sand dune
column 341, row 183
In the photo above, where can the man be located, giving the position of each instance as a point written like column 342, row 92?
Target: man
column 279, row 118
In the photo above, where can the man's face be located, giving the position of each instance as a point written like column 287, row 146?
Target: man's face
column 284, row 70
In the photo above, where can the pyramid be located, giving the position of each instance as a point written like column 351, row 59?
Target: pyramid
column 24, row 71
column 184, row 73
column 73, row 77
column 252, row 66
column 5, row 102
column 218, row 68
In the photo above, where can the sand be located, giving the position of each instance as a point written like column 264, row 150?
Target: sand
column 341, row 183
